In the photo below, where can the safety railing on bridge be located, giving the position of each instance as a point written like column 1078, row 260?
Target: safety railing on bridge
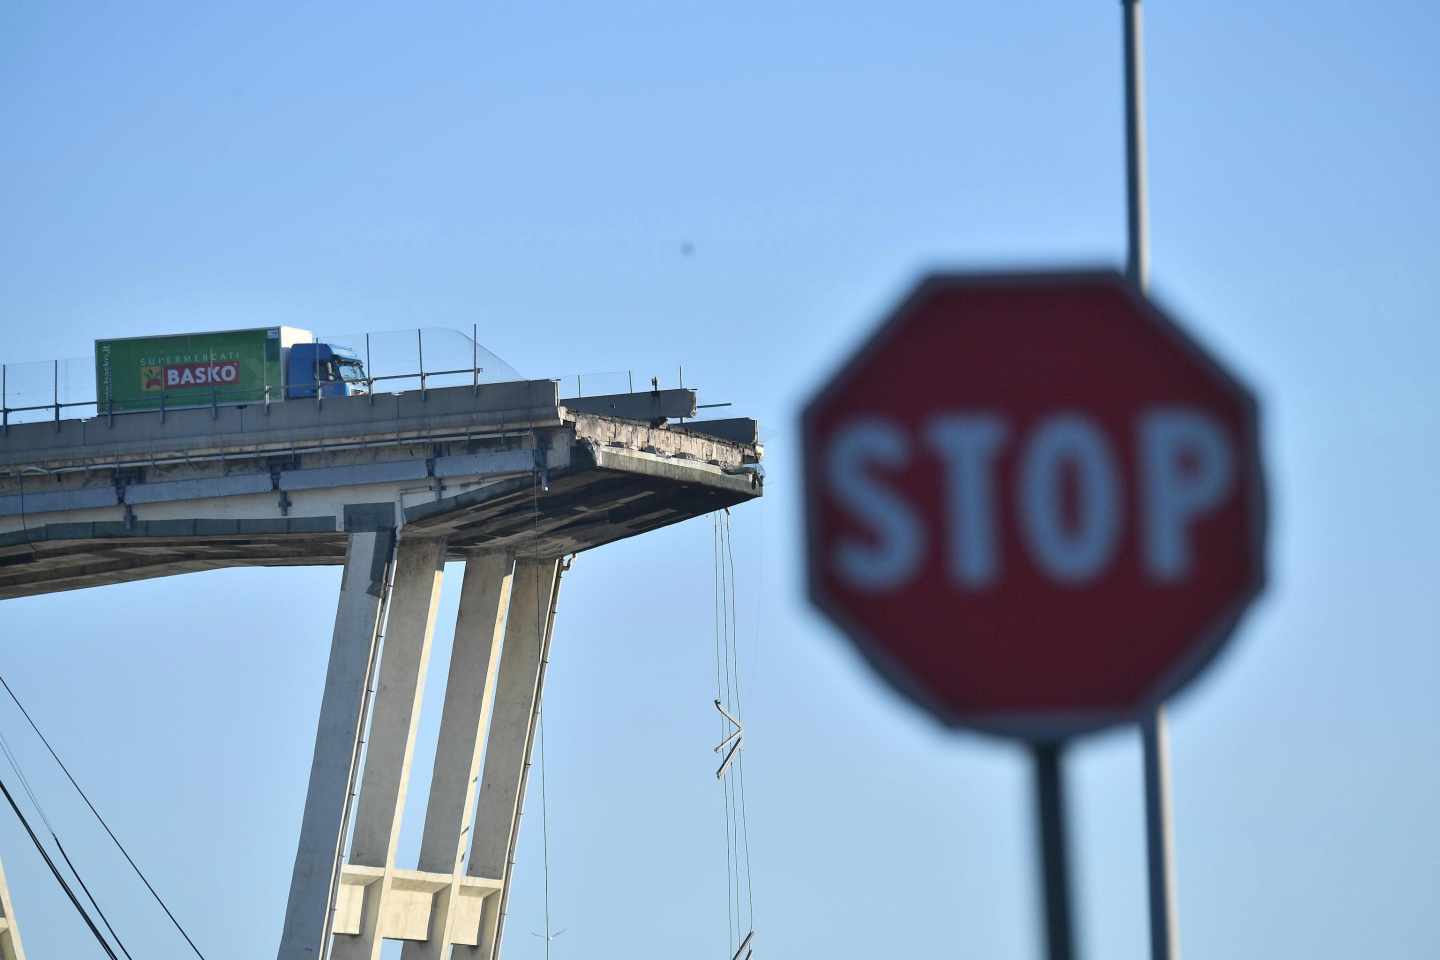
column 373, row 363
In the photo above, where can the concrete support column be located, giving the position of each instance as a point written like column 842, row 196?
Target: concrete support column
column 419, row 569
column 469, row 703
column 512, row 729
column 337, row 739
column 10, row 946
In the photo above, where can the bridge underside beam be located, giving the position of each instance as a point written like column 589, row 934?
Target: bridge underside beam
column 586, row 495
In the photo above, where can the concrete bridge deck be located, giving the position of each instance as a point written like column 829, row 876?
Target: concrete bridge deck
column 503, row 467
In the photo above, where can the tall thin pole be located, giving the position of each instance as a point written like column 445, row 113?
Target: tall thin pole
column 1164, row 928
column 1138, row 263
column 1054, row 852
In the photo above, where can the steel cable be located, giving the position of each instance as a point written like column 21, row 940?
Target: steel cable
column 739, row 706
column 732, row 921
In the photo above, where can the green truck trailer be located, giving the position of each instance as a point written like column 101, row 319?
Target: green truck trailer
column 261, row 365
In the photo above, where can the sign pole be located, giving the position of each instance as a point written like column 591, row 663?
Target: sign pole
column 1164, row 931
column 1138, row 265
column 1055, row 860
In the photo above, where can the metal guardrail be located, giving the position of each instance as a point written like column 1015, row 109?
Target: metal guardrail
column 55, row 404
column 45, row 390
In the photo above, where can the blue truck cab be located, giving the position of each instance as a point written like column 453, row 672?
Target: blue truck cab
column 321, row 368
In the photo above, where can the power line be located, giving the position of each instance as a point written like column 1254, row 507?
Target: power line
column 59, row 878
column 83, row 796
column 90, row 896
column 49, row 826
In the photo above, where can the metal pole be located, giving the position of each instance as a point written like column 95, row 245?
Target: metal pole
column 1164, row 928
column 1055, row 872
column 1138, row 265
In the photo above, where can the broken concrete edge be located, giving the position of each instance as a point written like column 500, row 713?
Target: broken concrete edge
column 678, row 442
column 749, row 481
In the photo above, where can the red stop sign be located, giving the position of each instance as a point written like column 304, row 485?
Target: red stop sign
column 1034, row 503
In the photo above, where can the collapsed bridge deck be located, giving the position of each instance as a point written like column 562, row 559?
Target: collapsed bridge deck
column 500, row 467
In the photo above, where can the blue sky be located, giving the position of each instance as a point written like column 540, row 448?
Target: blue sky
column 536, row 170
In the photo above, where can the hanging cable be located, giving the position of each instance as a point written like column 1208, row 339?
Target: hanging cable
column 721, row 692
column 740, row 762
column 734, row 826
column 734, row 782
column 739, row 887
column 121, row 847
column 59, row 878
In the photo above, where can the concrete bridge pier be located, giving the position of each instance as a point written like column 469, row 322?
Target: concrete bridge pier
column 464, row 721
column 10, row 946
column 337, row 743
column 370, row 876
column 491, row 711
column 521, row 685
